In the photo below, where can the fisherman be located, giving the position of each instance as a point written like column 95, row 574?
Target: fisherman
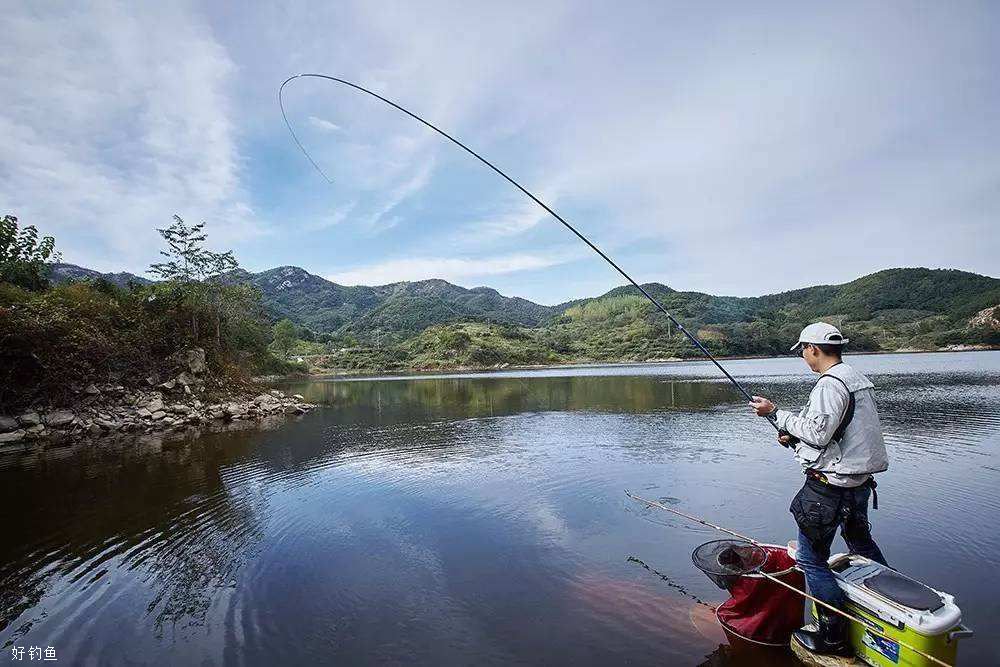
column 837, row 439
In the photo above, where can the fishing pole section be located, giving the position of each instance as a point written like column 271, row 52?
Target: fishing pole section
column 758, row 571
column 694, row 339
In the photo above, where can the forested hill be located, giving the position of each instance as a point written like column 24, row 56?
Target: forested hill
column 911, row 308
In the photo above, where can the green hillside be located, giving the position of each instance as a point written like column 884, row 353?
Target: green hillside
column 889, row 310
column 424, row 324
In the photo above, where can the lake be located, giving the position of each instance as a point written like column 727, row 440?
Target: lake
column 477, row 518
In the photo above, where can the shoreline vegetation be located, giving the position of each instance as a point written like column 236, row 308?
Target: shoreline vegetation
column 88, row 359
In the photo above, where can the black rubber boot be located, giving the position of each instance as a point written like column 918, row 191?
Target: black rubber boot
column 830, row 639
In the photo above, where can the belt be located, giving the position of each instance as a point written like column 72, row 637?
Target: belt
column 817, row 476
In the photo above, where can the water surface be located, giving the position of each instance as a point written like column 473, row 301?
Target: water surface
column 476, row 518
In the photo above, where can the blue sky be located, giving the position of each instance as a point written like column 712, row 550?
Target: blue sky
column 741, row 148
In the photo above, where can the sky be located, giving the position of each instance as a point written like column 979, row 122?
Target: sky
column 731, row 148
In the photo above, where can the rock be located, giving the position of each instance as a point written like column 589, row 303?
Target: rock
column 155, row 405
column 29, row 419
column 233, row 410
column 144, row 413
column 107, row 424
column 186, row 378
column 7, row 424
column 263, row 398
column 91, row 390
column 37, row 429
column 298, row 397
column 95, row 429
column 276, row 393
column 193, row 359
column 59, row 418
column 13, row 436
column 168, row 385
column 179, row 409
column 159, row 414
column 151, row 381
column 187, row 390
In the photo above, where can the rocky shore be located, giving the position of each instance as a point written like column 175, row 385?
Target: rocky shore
column 173, row 405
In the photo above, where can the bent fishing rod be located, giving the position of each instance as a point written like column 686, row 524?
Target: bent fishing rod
column 851, row 617
column 694, row 339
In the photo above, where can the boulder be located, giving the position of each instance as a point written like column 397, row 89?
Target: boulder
column 107, row 424
column 7, row 424
column 144, row 413
column 37, row 429
column 59, row 418
column 159, row 414
column 29, row 419
column 233, row 410
column 179, row 409
column 155, row 405
column 91, row 390
column 193, row 359
column 13, row 436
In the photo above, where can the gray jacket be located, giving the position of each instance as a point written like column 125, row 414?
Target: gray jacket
column 861, row 451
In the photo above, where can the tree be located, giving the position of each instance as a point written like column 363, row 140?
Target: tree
column 188, row 261
column 197, row 271
column 284, row 336
column 23, row 257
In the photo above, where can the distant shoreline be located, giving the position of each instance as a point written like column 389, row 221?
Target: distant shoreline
column 369, row 374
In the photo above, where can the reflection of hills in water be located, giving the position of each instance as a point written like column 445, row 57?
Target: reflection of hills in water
column 478, row 397
column 918, row 410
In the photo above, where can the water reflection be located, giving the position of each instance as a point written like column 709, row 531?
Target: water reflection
column 464, row 519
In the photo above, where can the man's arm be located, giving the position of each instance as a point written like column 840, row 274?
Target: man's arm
column 819, row 421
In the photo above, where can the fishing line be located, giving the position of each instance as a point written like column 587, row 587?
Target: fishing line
column 694, row 339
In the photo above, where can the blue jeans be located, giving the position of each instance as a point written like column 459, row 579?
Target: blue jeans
column 813, row 553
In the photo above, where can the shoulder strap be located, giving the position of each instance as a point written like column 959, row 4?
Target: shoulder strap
column 838, row 435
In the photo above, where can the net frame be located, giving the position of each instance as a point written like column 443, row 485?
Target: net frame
column 725, row 561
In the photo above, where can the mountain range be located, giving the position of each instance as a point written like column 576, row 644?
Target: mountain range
column 888, row 309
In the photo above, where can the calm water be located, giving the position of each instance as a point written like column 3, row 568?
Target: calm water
column 476, row 519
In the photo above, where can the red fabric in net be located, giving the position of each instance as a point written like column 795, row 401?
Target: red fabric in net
column 763, row 610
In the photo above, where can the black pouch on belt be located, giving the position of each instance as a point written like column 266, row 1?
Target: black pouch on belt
column 817, row 509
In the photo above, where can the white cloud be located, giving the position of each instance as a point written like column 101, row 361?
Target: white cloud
column 336, row 217
column 323, row 124
column 452, row 269
column 413, row 183
column 113, row 120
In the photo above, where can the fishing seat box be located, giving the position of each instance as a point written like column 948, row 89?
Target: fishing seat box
column 900, row 607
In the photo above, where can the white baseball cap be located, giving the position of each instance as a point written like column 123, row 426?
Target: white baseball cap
column 821, row 333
